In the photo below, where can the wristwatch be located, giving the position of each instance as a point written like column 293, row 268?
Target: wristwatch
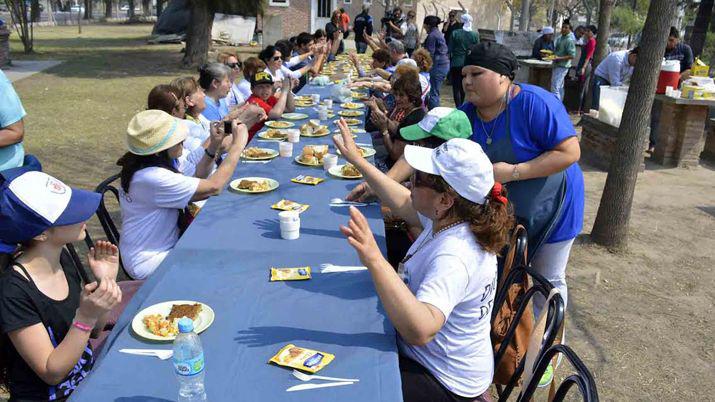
column 515, row 173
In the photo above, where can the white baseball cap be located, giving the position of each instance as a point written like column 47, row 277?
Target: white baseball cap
column 460, row 162
column 547, row 30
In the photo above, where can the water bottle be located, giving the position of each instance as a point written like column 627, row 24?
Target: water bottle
column 189, row 363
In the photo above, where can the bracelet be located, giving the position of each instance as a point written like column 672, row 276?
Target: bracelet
column 209, row 154
column 82, row 326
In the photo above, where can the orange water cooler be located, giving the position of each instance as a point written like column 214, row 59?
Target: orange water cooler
column 669, row 75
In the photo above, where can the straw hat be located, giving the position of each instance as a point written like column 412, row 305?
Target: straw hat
column 153, row 131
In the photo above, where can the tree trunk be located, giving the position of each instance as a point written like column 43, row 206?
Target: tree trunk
column 146, row 7
column 159, row 7
column 107, row 8
column 611, row 226
column 87, row 9
column 524, row 16
column 702, row 21
column 198, row 35
column 130, row 12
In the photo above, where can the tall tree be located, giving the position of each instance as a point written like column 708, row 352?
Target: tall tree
column 87, row 9
column 159, row 7
column 198, row 36
column 107, row 8
column 611, row 226
column 524, row 16
column 700, row 29
column 130, row 13
column 146, row 8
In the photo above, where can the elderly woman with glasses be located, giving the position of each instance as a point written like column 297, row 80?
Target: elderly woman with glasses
column 236, row 95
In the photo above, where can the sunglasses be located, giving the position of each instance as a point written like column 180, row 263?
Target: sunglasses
column 276, row 58
column 234, row 65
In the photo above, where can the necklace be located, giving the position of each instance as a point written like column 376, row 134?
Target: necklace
column 481, row 120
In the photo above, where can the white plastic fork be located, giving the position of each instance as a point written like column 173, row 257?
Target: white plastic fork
column 331, row 268
column 162, row 354
column 308, row 377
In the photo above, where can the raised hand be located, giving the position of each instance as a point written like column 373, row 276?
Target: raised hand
column 360, row 237
column 346, row 144
column 104, row 260
column 97, row 300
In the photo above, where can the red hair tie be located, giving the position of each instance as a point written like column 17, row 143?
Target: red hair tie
column 496, row 193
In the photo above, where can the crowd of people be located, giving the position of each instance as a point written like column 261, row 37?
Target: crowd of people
column 459, row 179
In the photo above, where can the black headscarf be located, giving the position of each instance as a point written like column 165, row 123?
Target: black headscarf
column 493, row 56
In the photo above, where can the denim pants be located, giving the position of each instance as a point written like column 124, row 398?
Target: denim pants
column 557, row 81
column 455, row 78
column 361, row 46
column 436, row 77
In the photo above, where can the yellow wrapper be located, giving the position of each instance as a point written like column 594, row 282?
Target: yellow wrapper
column 290, row 274
column 307, row 180
column 302, row 359
column 287, row 205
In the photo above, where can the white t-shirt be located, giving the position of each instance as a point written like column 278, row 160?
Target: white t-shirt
column 454, row 274
column 235, row 96
column 282, row 73
column 245, row 88
column 150, row 212
column 193, row 145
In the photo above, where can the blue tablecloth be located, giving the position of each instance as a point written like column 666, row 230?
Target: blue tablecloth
column 223, row 260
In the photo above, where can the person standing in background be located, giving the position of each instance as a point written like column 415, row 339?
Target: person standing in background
column 583, row 69
column 451, row 24
column 410, row 33
column 345, row 22
column 12, row 126
column 565, row 50
column 676, row 50
column 437, row 47
column 459, row 44
column 544, row 42
column 362, row 24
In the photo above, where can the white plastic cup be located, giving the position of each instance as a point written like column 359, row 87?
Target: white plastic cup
column 323, row 114
column 285, row 149
column 316, row 98
column 289, row 224
column 328, row 103
column 329, row 161
column 293, row 135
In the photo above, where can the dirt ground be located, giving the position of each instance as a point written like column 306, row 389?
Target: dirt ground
column 641, row 320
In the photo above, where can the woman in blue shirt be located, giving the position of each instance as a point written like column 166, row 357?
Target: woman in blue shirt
column 437, row 47
column 528, row 136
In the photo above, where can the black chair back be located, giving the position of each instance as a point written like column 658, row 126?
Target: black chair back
column 108, row 225
column 554, row 319
column 582, row 377
column 70, row 255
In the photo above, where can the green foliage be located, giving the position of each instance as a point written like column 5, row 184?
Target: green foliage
column 627, row 20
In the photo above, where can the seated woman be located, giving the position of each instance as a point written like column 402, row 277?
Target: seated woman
column 46, row 316
column 154, row 193
column 424, row 62
column 440, row 299
column 235, row 97
column 214, row 78
column 380, row 60
column 408, row 111
column 273, row 58
column 262, row 86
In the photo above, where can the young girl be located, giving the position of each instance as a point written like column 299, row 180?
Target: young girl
column 46, row 316
column 440, row 299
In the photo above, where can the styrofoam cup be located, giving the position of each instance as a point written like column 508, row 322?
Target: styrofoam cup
column 293, row 135
column 316, row 98
column 285, row 149
column 328, row 103
column 329, row 161
column 290, row 234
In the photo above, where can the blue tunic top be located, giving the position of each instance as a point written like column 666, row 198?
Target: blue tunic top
column 538, row 122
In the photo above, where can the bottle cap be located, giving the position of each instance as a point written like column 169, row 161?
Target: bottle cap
column 186, row 325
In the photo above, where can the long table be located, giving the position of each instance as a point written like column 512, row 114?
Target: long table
column 223, row 260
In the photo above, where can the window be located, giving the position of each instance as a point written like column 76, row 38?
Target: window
column 279, row 3
column 407, row 3
column 347, row 1
column 324, row 8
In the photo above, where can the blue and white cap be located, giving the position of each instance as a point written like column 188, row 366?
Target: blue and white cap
column 32, row 201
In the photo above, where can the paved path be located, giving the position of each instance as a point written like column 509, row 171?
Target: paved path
column 24, row 68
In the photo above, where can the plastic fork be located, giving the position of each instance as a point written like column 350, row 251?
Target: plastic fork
column 309, row 377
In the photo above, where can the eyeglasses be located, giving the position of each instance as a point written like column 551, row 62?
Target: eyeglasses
column 276, row 58
column 234, row 65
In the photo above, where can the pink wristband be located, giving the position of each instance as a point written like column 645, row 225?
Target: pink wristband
column 82, row 326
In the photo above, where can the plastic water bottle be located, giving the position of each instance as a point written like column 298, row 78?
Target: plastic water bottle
column 189, row 363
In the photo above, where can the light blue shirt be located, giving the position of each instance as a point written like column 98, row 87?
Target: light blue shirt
column 615, row 68
column 11, row 111
column 215, row 111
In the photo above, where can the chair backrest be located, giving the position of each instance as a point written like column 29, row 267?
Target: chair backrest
column 554, row 318
column 581, row 378
column 108, row 225
column 74, row 258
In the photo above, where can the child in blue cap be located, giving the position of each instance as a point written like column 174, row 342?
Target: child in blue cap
column 46, row 316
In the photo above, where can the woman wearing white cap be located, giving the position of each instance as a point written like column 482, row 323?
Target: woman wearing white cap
column 154, row 195
column 440, row 299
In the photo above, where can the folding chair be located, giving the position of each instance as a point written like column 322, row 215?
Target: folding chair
column 554, row 320
column 110, row 229
column 581, row 378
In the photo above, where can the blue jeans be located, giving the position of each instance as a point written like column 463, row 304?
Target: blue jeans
column 361, row 46
column 557, row 81
column 596, row 91
column 436, row 77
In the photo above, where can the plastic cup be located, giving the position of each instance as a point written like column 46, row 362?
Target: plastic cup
column 293, row 135
column 328, row 103
column 289, row 224
column 323, row 114
column 285, row 149
column 329, row 161
column 316, row 98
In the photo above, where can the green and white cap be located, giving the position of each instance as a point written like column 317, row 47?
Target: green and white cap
column 442, row 122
